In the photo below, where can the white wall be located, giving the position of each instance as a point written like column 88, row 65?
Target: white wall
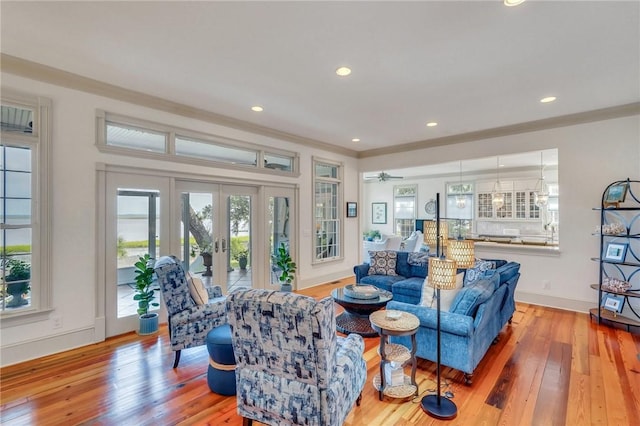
column 590, row 157
column 74, row 255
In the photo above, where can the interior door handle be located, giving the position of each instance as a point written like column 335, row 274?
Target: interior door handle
column 224, row 245
column 215, row 245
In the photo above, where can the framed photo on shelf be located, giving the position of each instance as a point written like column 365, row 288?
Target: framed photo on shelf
column 616, row 194
column 615, row 252
column 379, row 213
column 613, row 303
column 352, row 209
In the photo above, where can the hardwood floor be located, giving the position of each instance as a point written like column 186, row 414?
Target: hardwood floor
column 550, row 367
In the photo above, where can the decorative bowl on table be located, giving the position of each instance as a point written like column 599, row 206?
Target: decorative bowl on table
column 393, row 315
column 361, row 291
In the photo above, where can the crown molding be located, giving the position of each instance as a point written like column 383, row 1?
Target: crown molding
column 36, row 71
column 530, row 126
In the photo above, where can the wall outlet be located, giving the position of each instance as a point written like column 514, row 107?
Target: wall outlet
column 546, row 284
column 56, row 321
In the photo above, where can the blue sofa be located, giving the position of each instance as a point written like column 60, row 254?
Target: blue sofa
column 477, row 314
column 406, row 286
column 474, row 321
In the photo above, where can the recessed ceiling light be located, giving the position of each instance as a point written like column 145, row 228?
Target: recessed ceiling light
column 432, row 124
column 343, row 71
column 513, row 2
column 355, row 140
column 257, row 108
column 548, row 99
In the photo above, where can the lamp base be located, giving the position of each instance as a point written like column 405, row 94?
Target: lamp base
column 446, row 410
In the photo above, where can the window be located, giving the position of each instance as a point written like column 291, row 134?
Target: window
column 404, row 209
column 460, row 197
column 133, row 137
column 24, row 206
column 328, row 214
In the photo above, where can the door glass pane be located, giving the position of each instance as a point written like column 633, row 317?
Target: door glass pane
column 239, row 254
column 197, row 225
column 279, row 230
column 138, row 225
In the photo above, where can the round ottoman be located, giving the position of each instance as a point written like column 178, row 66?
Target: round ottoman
column 221, row 375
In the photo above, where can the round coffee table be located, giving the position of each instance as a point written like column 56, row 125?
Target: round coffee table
column 355, row 318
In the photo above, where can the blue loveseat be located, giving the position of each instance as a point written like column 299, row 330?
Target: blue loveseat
column 476, row 317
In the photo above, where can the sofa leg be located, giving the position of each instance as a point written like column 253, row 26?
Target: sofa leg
column 468, row 379
column 496, row 340
column 247, row 422
column 176, row 359
column 359, row 400
column 511, row 319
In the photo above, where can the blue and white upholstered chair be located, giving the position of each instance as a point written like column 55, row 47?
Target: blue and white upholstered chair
column 189, row 322
column 292, row 368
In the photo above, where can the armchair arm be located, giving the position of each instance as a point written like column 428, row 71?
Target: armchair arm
column 461, row 325
column 214, row 291
column 361, row 271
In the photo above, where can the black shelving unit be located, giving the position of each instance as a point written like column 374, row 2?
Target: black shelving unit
column 627, row 214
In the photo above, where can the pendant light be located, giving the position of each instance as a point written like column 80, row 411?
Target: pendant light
column 541, row 190
column 461, row 200
column 497, row 197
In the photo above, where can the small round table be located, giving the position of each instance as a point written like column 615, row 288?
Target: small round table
column 355, row 318
column 405, row 324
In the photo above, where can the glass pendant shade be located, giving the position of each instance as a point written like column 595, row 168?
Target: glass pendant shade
column 463, row 252
column 541, row 190
column 497, row 197
column 442, row 273
column 461, row 201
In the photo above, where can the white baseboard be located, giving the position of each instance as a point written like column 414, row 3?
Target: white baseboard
column 36, row 348
column 554, row 302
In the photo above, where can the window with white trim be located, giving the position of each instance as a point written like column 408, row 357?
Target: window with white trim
column 327, row 183
column 404, row 209
column 24, row 206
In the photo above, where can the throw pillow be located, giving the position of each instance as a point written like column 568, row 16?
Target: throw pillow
column 383, row 262
column 197, row 290
column 476, row 273
column 446, row 296
column 418, row 258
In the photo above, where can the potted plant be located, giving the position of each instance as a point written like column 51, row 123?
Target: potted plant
column 287, row 267
column 17, row 281
column 145, row 294
column 207, row 259
column 242, row 256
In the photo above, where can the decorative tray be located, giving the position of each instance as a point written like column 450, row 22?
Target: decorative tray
column 361, row 291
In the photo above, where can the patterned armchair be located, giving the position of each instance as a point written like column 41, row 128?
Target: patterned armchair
column 189, row 322
column 292, row 368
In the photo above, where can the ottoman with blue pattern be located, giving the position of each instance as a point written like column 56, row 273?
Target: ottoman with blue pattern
column 221, row 375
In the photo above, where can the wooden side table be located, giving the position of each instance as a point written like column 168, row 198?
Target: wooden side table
column 405, row 324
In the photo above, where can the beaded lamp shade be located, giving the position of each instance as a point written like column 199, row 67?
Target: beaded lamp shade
column 462, row 251
column 442, row 273
column 430, row 235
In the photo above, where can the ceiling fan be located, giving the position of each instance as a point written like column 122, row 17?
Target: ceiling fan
column 382, row 177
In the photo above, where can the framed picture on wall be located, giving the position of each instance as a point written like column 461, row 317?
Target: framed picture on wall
column 616, row 193
column 352, row 209
column 379, row 213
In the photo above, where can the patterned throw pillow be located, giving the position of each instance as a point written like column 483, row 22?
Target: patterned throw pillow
column 418, row 258
column 383, row 262
column 197, row 290
column 476, row 273
column 446, row 296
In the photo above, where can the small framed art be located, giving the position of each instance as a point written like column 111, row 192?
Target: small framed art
column 352, row 209
column 616, row 194
column 615, row 252
column 379, row 213
column 613, row 303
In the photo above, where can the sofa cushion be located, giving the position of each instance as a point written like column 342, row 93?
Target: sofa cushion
column 406, row 270
column 477, row 271
column 473, row 295
column 446, row 296
column 418, row 258
column 383, row 262
column 508, row 271
column 385, row 282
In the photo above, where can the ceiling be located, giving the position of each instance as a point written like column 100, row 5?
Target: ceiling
column 470, row 66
